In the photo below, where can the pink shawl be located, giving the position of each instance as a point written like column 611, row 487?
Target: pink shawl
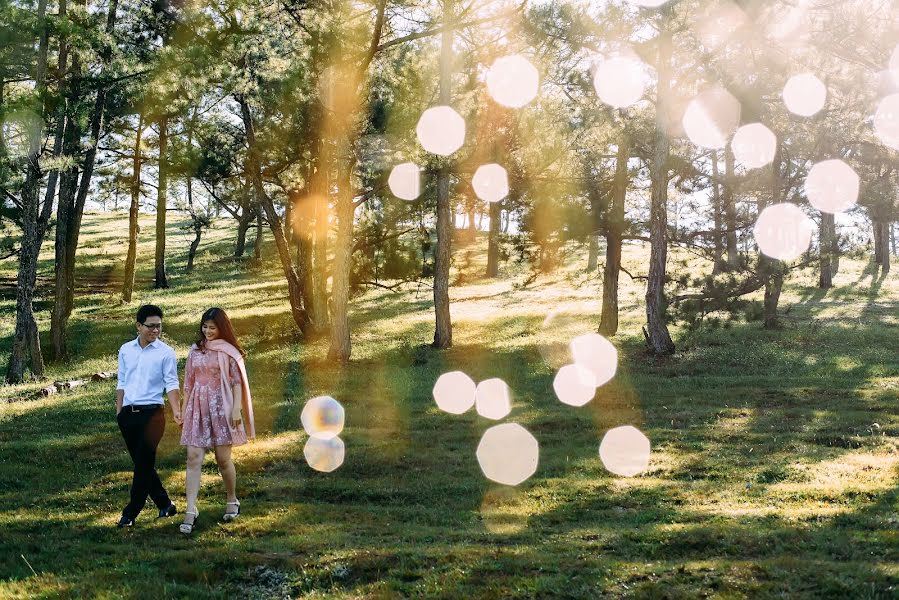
column 225, row 350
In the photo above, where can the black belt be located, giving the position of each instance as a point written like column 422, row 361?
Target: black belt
column 136, row 408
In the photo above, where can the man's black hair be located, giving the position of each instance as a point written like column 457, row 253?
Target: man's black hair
column 148, row 310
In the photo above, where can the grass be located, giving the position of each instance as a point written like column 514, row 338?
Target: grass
column 773, row 473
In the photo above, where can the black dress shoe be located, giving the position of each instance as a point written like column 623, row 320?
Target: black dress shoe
column 125, row 522
column 168, row 511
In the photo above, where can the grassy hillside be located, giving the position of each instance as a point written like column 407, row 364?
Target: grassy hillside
column 774, row 468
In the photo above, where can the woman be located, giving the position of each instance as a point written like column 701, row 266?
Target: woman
column 217, row 412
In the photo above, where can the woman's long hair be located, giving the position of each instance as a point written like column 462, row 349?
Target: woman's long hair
column 226, row 330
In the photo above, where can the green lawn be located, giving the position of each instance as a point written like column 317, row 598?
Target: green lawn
column 774, row 467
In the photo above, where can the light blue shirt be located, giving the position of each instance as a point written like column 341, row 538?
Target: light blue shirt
column 145, row 373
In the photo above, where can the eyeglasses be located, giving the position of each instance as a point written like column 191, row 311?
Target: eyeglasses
column 152, row 325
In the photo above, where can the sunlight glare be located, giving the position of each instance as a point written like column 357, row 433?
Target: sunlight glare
column 441, row 130
column 324, row 455
column 18, row 130
column 597, row 355
column 492, row 399
column 323, row 417
column 490, row 182
column 754, row 145
column 711, row 117
column 619, row 81
column 804, row 94
column 832, row 186
column 886, row 121
column 783, row 231
column 405, row 181
column 513, row 81
column 625, row 451
column 573, row 385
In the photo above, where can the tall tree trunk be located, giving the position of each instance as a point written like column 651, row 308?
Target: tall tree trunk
column 192, row 251
column 472, row 230
column 826, row 233
column 718, row 235
column 62, row 66
column 26, row 342
column 443, row 331
column 161, row 280
column 730, row 208
column 656, row 332
column 294, row 285
column 608, row 323
column 493, row 239
column 885, row 247
column 592, row 251
column 65, row 219
column 343, row 253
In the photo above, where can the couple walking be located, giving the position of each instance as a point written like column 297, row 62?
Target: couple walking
column 217, row 412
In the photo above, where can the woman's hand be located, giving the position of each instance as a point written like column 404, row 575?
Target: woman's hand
column 236, row 418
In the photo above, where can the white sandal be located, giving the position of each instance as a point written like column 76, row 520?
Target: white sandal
column 188, row 528
column 230, row 516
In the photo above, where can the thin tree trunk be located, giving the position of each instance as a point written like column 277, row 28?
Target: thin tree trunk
column 243, row 223
column 718, row 236
column 878, row 238
column 825, row 248
column 493, row 239
column 343, row 252
column 730, row 208
column 318, row 316
column 608, row 323
column 294, row 285
column 657, row 337
column 161, row 280
column 443, row 331
column 192, row 251
column 133, row 213
column 257, row 243
column 770, row 269
column 472, row 230
column 26, row 342
column 885, row 247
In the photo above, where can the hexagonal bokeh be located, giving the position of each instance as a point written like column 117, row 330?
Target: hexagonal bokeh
column 711, row 117
column 625, row 451
column 804, row 94
column 508, row 454
column 324, row 455
column 405, row 181
column 492, row 399
column 783, row 231
column 573, row 385
column 619, row 81
column 441, row 130
column 832, row 186
column 597, row 355
column 323, row 417
column 490, row 182
column 454, row 392
column 754, row 145
column 513, row 81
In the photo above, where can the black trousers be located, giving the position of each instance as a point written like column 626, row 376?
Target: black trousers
column 142, row 432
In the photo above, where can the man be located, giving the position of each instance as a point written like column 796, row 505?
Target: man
column 147, row 368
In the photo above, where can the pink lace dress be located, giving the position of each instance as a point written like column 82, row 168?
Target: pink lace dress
column 206, row 420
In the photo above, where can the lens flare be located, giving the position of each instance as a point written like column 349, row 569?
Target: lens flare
column 894, row 64
column 597, row 356
column 454, row 392
column 625, row 451
column 573, row 385
column 441, row 130
column 513, row 81
column 711, row 117
column 804, row 94
column 508, row 454
column 754, row 145
column 19, row 129
column 886, row 121
column 490, row 182
column 405, row 181
column 783, row 231
column 832, row 186
column 619, row 81
column 324, row 455
column 323, row 417
column 492, row 399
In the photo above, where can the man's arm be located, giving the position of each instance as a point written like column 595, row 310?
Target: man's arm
column 175, row 400
column 120, row 384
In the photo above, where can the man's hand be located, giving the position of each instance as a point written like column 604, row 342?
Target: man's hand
column 179, row 419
